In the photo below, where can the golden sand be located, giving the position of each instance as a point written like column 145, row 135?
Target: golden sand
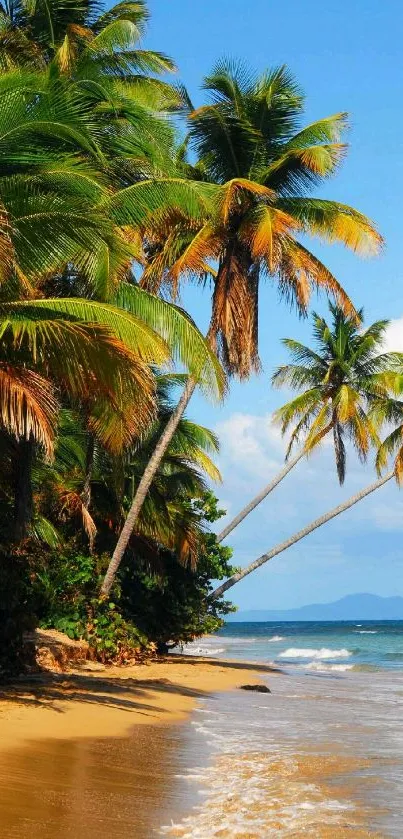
column 85, row 755
column 109, row 703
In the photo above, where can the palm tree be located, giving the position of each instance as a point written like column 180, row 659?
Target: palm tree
column 97, row 55
column 340, row 380
column 91, row 352
column 168, row 519
column 256, row 167
column 366, row 387
column 301, row 534
column 249, row 143
column 76, row 34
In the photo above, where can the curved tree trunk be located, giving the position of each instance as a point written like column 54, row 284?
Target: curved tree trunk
column 260, row 497
column 278, row 549
column 145, row 483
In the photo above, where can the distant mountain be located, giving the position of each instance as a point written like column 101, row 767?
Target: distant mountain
column 350, row 608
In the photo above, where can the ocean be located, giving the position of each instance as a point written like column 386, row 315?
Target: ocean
column 321, row 756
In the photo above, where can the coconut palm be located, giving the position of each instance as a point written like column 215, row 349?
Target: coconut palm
column 249, row 141
column 340, row 380
column 91, row 352
column 352, row 391
column 301, row 534
column 257, row 167
column 35, row 32
column 66, row 227
column 98, row 55
column 168, row 519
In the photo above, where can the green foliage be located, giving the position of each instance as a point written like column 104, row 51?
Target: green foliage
column 341, row 381
column 65, row 590
column 161, row 605
column 16, row 614
column 171, row 606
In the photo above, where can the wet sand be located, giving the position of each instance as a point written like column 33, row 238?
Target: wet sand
column 95, row 754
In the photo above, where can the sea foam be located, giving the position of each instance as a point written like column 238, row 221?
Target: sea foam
column 323, row 653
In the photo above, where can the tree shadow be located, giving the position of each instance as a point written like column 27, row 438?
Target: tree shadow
column 127, row 694
column 46, row 689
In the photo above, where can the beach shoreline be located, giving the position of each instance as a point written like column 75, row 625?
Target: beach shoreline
column 100, row 748
column 109, row 701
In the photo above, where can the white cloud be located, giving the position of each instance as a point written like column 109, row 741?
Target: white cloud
column 251, row 443
column 393, row 341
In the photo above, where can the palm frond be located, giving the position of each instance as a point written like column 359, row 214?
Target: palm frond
column 185, row 341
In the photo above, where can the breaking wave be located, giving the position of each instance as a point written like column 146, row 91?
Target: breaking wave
column 323, row 653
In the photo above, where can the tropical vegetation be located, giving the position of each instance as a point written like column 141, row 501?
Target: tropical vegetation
column 114, row 192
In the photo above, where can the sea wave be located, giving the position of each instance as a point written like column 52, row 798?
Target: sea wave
column 276, row 638
column 323, row 666
column 365, row 631
column 308, row 652
column 191, row 650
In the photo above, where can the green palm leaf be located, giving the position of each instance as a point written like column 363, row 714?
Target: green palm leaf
column 187, row 345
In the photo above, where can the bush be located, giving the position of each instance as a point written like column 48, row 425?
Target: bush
column 66, row 589
column 150, row 608
column 171, row 607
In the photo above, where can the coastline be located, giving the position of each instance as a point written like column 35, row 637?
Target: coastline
column 99, row 751
column 93, row 753
column 109, row 701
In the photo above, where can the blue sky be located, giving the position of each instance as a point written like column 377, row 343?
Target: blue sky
column 347, row 57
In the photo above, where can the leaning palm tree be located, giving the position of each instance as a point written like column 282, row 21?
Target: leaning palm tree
column 256, row 166
column 62, row 493
column 339, row 380
column 301, row 534
column 381, row 379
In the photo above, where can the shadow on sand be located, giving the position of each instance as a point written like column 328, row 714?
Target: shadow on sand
column 126, row 693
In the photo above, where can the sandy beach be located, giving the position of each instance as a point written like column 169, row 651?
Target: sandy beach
column 109, row 701
column 90, row 753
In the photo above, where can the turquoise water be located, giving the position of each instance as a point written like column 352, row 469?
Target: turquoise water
column 321, row 756
column 329, row 646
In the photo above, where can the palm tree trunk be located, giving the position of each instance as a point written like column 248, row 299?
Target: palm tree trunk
column 89, row 463
column 278, row 549
column 145, row 483
column 23, row 496
column 260, row 497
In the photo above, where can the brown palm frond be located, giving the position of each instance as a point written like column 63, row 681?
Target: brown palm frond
column 28, row 406
column 300, row 271
column 234, row 318
column 234, row 191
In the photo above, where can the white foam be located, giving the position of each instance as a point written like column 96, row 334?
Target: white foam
column 321, row 665
column 276, row 638
column 309, row 652
column 189, row 649
column 366, row 632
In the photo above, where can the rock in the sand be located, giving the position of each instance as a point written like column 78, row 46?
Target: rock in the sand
column 257, row 688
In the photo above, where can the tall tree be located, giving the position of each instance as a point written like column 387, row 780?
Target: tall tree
column 368, row 399
column 258, row 165
column 339, row 380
